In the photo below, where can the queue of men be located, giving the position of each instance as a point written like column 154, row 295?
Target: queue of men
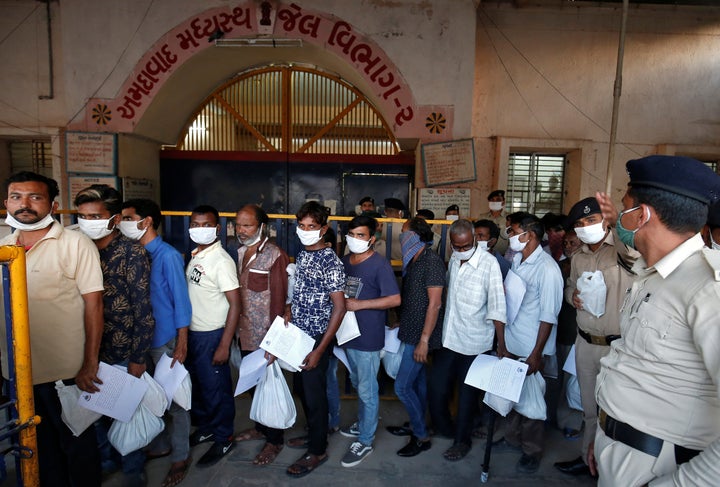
column 643, row 286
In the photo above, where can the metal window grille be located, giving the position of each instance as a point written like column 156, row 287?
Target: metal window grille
column 31, row 155
column 536, row 183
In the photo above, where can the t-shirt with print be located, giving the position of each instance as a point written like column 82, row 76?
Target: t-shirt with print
column 427, row 271
column 318, row 274
column 375, row 279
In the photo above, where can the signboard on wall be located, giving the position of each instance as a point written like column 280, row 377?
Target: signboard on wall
column 134, row 188
column 78, row 183
column 439, row 199
column 449, row 162
column 91, row 153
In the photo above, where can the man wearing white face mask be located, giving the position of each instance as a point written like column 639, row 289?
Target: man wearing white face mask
column 600, row 252
column 371, row 290
column 497, row 214
column 215, row 297
column 141, row 219
column 128, row 314
column 474, row 314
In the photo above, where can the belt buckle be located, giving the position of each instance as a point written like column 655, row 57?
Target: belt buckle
column 602, row 420
column 596, row 340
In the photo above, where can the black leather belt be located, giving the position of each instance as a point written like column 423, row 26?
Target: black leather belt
column 624, row 433
column 597, row 340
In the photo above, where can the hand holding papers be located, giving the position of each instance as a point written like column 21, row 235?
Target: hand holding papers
column 252, row 369
column 168, row 377
column 502, row 377
column 119, row 395
column 290, row 344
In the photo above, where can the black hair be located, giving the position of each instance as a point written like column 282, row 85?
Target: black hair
column 203, row 209
column 29, row 176
column 528, row 222
column 424, row 213
column 314, row 210
column 366, row 199
column 490, row 225
column 107, row 195
column 144, row 208
column 364, row 221
column 420, row 226
column 680, row 214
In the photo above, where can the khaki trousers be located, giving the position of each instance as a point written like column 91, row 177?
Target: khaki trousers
column 587, row 363
column 527, row 433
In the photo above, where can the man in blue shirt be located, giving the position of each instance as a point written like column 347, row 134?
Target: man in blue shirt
column 141, row 219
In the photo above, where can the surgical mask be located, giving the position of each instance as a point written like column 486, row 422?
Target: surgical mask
column 130, row 229
column 203, row 235
column 308, row 237
column 482, row 244
column 29, row 227
column 356, row 245
column 626, row 236
column 715, row 245
column 452, row 218
column 516, row 245
column 591, row 234
column 96, row 229
column 495, row 205
column 254, row 239
column 465, row 254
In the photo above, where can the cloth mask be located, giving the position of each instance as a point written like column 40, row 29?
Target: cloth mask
column 308, row 237
column 130, row 229
column 466, row 254
column 410, row 244
column 356, row 245
column 203, row 235
column 29, row 227
column 591, row 234
column 495, row 205
column 515, row 243
column 96, row 229
column 627, row 236
column 254, row 239
column 452, row 218
column 482, row 244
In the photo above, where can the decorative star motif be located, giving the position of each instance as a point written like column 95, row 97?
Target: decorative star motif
column 101, row 114
column 435, row 123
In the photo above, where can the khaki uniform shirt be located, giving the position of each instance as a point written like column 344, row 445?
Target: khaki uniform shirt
column 618, row 280
column 61, row 267
column 501, row 221
column 662, row 377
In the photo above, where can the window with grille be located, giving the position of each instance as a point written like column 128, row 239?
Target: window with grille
column 536, row 183
column 31, row 155
column 712, row 165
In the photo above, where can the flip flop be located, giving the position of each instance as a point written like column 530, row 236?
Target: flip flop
column 249, row 434
column 177, row 473
column 298, row 442
column 306, row 464
column 268, row 454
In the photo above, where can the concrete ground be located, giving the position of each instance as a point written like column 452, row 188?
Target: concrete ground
column 382, row 468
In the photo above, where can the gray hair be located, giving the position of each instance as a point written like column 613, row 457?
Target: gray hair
column 462, row 226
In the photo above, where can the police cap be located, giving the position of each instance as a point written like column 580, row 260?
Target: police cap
column 675, row 174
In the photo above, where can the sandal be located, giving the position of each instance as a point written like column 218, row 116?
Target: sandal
column 177, row 473
column 299, row 442
column 268, row 454
column 306, row 464
column 456, row 452
column 249, row 434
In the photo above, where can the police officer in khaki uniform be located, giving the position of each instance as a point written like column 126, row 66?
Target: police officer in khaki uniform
column 497, row 214
column 601, row 251
column 659, row 418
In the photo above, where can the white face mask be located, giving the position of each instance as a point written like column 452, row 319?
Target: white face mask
column 356, row 245
column 464, row 255
column 482, row 244
column 591, row 234
column 495, row 205
column 308, row 237
column 516, row 245
column 96, row 229
column 254, row 239
column 203, row 235
column 29, row 227
column 452, row 218
column 130, row 229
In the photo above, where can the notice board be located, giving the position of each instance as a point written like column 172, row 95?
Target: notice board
column 449, row 162
column 438, row 199
column 91, row 153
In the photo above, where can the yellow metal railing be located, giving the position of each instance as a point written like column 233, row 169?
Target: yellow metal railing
column 14, row 258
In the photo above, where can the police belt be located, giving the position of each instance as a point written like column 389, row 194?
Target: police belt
column 597, row 340
column 624, row 433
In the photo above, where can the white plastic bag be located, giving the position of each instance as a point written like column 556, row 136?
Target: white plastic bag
column 532, row 398
column 137, row 433
column 272, row 403
column 501, row 405
column 75, row 417
column 391, row 361
column 592, row 292
column 572, row 393
column 183, row 394
column 348, row 329
column 154, row 399
column 235, row 355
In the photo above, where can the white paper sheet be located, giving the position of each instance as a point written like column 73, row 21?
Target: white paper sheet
column 514, row 293
column 392, row 342
column 119, row 395
column 289, row 343
column 169, row 378
column 252, row 368
column 502, row 377
column 569, row 366
column 348, row 329
column 342, row 357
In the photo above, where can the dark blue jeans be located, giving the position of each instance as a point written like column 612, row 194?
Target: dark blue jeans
column 213, row 403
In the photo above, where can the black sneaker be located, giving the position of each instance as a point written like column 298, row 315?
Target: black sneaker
column 527, row 464
column 199, row 437
column 215, row 453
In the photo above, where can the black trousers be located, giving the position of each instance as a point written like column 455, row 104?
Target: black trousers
column 311, row 386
